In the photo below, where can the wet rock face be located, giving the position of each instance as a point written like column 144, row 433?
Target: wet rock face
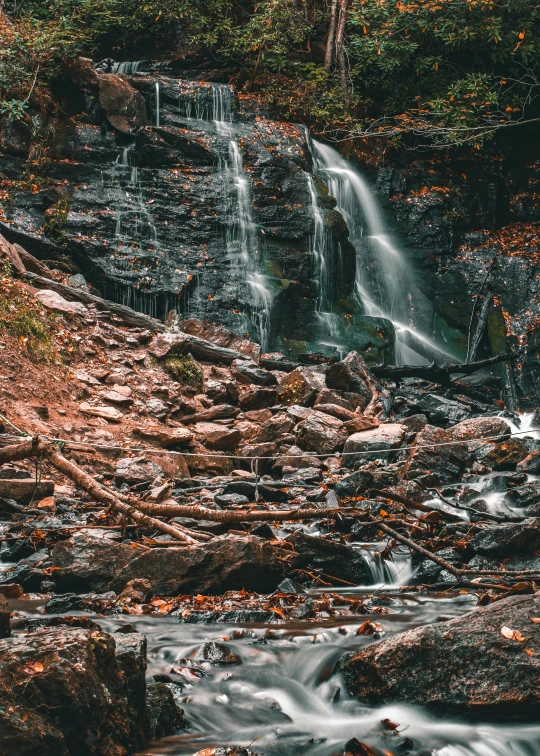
column 66, row 692
column 487, row 674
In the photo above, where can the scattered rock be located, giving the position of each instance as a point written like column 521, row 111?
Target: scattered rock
column 246, row 371
column 133, row 470
column 351, row 374
column 24, row 490
column 377, row 442
column 507, row 540
column 56, row 303
column 300, row 387
column 219, row 653
column 108, row 413
column 167, row 437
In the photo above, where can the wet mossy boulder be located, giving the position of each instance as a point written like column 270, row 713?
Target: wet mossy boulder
column 186, row 371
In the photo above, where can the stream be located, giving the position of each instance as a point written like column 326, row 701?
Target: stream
column 286, row 696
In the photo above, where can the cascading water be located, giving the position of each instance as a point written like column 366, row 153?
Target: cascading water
column 384, row 280
column 157, row 104
column 214, row 103
column 128, row 67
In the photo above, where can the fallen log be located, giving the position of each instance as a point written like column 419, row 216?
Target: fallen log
column 438, row 373
column 21, row 450
column 197, row 512
column 126, row 314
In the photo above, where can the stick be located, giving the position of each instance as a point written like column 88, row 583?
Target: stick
column 198, row 512
column 435, row 372
column 88, row 484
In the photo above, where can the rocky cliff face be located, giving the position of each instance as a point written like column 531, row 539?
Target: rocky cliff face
column 167, row 193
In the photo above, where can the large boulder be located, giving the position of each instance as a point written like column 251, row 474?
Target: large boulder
column 351, row 374
column 223, row 564
column 300, row 387
column 376, row 443
column 436, row 458
column 321, row 433
column 71, row 691
column 442, row 411
column 485, row 664
column 89, row 563
column 124, row 107
column 478, row 428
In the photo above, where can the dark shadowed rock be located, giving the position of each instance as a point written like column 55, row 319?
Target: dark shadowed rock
column 231, row 617
column 86, row 563
column 67, row 692
column 508, row 540
column 246, row 371
column 334, row 559
column 223, row 564
column 434, row 465
column 164, row 716
column 219, row 653
column 5, row 626
column 485, row 673
column 355, row 484
column 442, row 411
column 531, row 463
column 259, row 398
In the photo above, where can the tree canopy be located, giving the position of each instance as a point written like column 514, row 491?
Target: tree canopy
column 431, row 72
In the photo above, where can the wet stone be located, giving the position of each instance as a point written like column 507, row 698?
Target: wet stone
column 219, row 653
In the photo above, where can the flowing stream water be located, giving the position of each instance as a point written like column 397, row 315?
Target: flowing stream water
column 288, row 699
column 385, row 285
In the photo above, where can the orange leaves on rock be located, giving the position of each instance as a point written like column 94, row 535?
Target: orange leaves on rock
column 369, row 628
column 510, row 634
column 33, row 668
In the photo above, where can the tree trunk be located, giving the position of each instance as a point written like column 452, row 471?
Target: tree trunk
column 331, row 35
column 340, row 52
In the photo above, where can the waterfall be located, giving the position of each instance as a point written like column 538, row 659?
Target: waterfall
column 321, row 250
column 215, row 103
column 127, row 67
column 384, row 279
column 157, row 104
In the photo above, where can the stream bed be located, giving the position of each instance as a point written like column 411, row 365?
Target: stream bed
column 286, row 697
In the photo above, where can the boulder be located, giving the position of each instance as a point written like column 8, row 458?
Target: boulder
column 531, row 463
column 71, row 691
column 247, row 371
column 508, row 540
column 355, row 484
column 107, row 413
column 274, row 429
column 378, row 442
column 165, row 436
column 300, row 387
column 506, row 455
column 489, row 671
column 164, row 716
column 435, row 465
column 351, row 374
column 124, row 107
column 320, row 433
column 89, row 563
column 332, row 558
column 297, row 459
column 477, row 428
column 134, row 470
column 343, row 399
column 223, row 564
column 225, row 439
column 222, row 337
column 441, row 411
column 24, row 490
column 219, row 653
column 56, row 303
column 258, row 398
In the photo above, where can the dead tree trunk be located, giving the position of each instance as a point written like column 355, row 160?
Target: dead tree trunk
column 331, row 36
column 340, row 52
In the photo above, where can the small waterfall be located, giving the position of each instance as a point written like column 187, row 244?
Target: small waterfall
column 384, row 280
column 322, row 252
column 157, row 113
column 388, row 572
column 127, row 67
